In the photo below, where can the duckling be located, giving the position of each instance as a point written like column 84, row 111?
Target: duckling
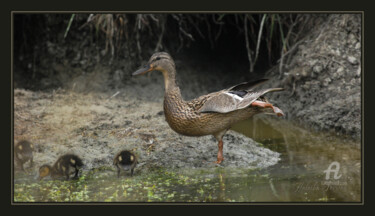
column 125, row 160
column 23, row 152
column 62, row 167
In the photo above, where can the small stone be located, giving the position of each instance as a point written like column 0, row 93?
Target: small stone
column 317, row 68
column 358, row 45
column 326, row 81
column 352, row 60
column 359, row 71
column 352, row 39
column 313, row 62
column 353, row 81
column 340, row 69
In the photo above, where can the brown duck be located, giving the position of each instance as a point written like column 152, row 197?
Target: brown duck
column 211, row 114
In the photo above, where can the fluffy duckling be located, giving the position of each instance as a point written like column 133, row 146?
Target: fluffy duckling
column 62, row 167
column 125, row 160
column 23, row 152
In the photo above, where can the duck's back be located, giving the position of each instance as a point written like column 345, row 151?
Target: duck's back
column 66, row 161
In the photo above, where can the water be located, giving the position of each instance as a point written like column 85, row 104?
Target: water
column 298, row 177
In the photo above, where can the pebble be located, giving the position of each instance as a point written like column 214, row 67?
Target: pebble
column 352, row 60
column 358, row 45
column 326, row 81
column 317, row 68
column 340, row 69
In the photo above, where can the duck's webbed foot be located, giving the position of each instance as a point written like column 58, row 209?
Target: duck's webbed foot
column 262, row 104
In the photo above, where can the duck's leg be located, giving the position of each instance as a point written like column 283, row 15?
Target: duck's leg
column 118, row 171
column 67, row 175
column 220, row 157
column 76, row 173
column 65, row 172
column 219, row 138
column 31, row 162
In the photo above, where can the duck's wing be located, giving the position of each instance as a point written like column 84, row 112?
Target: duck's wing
column 228, row 101
column 247, row 86
column 253, row 96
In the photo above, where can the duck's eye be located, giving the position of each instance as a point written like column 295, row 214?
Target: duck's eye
column 158, row 58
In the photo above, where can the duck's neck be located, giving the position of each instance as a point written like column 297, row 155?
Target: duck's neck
column 170, row 82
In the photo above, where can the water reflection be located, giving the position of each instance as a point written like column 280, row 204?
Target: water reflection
column 299, row 175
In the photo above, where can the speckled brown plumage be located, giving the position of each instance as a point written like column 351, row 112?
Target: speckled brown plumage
column 183, row 117
column 211, row 114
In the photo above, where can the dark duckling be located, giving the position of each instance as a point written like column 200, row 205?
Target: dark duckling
column 23, row 152
column 125, row 160
column 62, row 167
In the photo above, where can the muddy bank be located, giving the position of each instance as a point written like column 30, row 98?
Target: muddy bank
column 97, row 124
column 322, row 78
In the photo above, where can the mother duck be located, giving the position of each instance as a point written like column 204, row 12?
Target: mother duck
column 211, row 114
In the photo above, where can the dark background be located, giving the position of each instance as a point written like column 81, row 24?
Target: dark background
column 215, row 40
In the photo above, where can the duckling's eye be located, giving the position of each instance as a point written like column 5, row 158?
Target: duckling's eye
column 157, row 58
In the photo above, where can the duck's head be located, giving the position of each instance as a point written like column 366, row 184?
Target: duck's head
column 160, row 61
column 125, row 157
column 44, row 171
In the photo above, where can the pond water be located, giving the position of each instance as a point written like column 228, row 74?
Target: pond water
column 298, row 177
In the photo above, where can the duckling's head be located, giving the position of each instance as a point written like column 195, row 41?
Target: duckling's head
column 24, row 146
column 125, row 158
column 44, row 171
column 160, row 61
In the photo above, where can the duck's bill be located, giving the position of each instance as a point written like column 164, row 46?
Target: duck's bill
column 143, row 70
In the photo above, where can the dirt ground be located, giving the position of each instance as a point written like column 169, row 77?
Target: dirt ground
column 96, row 124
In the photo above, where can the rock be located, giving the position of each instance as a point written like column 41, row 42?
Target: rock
column 317, row 68
column 240, row 151
column 352, row 60
column 358, row 45
column 340, row 70
column 320, row 100
column 326, row 81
